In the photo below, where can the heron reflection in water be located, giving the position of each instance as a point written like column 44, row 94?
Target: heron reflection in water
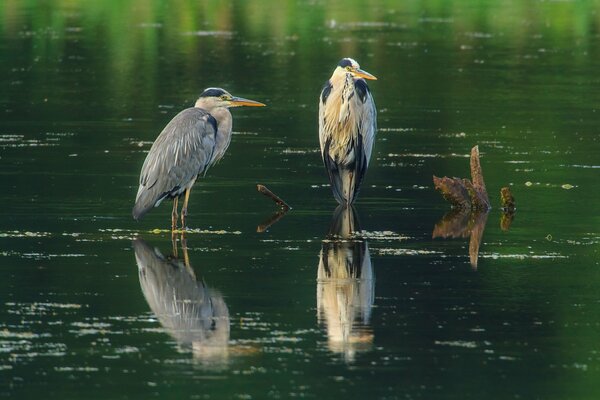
column 195, row 315
column 345, row 286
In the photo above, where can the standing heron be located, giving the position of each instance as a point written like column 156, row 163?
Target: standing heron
column 194, row 140
column 347, row 125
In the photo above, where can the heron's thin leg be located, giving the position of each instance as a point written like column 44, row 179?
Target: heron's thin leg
column 174, row 215
column 349, row 198
column 184, row 208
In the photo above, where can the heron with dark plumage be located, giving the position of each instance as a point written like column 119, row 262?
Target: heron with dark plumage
column 347, row 126
column 193, row 141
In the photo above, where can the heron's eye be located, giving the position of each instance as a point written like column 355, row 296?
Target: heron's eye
column 224, row 97
column 348, row 68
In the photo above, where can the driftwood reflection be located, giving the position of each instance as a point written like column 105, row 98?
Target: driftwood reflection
column 345, row 286
column 195, row 315
column 463, row 224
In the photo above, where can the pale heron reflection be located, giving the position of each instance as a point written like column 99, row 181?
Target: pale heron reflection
column 347, row 127
column 345, row 286
column 194, row 140
column 195, row 315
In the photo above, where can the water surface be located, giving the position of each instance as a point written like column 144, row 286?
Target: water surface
column 395, row 311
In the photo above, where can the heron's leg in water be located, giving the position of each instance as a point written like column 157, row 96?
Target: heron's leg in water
column 351, row 184
column 184, row 208
column 186, row 258
column 174, row 215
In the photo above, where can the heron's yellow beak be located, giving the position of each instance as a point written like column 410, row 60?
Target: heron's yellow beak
column 364, row 74
column 240, row 101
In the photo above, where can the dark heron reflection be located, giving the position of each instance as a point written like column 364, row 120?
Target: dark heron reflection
column 460, row 223
column 195, row 315
column 345, row 286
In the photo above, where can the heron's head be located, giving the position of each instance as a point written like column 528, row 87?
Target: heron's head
column 349, row 66
column 217, row 97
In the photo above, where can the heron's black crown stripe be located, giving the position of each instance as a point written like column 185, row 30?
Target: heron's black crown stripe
column 345, row 63
column 213, row 92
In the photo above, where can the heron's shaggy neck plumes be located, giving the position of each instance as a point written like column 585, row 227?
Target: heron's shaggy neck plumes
column 339, row 118
column 224, row 125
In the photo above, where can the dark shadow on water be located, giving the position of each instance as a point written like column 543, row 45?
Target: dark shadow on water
column 463, row 224
column 195, row 315
column 345, row 286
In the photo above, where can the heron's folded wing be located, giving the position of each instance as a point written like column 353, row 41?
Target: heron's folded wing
column 180, row 153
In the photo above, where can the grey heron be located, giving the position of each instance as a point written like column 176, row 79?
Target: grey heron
column 194, row 140
column 347, row 126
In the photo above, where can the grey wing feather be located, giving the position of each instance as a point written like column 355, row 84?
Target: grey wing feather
column 334, row 173
column 368, row 126
column 366, row 138
column 325, row 138
column 181, row 152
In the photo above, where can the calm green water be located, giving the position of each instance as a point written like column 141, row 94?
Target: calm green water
column 85, row 87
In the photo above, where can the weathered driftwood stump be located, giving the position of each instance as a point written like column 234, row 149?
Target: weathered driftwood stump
column 471, row 204
column 464, row 193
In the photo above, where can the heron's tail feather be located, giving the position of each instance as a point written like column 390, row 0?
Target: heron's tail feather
column 343, row 186
column 144, row 203
column 343, row 183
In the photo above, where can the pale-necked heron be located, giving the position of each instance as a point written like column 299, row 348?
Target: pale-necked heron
column 347, row 126
column 194, row 140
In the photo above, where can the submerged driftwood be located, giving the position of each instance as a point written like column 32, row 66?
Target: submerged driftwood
column 463, row 193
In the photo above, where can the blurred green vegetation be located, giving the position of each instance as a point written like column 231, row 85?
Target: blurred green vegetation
column 132, row 36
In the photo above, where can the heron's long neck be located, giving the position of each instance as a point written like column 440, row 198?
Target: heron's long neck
column 342, row 94
column 224, row 125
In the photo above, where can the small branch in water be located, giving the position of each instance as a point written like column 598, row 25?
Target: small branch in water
column 263, row 189
column 507, row 200
column 272, row 219
column 508, row 208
